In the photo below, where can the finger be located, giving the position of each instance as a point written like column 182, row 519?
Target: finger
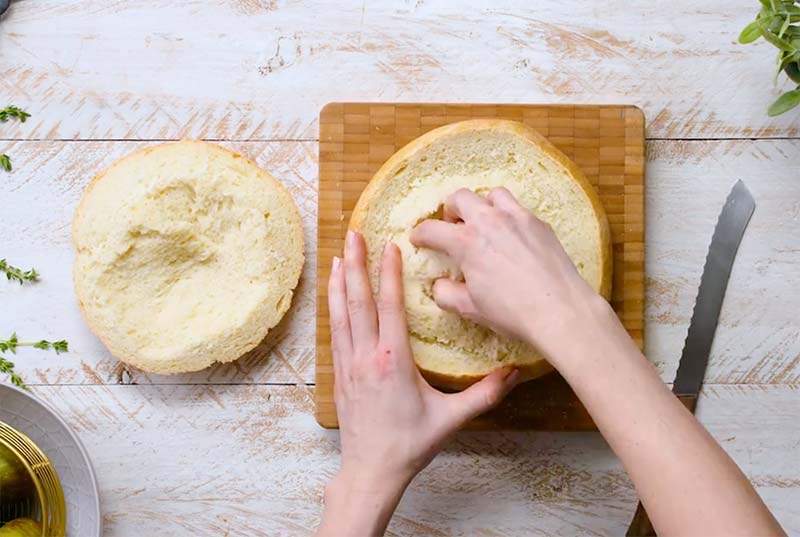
column 438, row 235
column 449, row 215
column 360, row 305
column 483, row 395
column 463, row 204
column 504, row 200
column 453, row 296
column 391, row 304
column 341, row 340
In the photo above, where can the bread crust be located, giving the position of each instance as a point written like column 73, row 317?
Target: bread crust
column 108, row 341
column 386, row 172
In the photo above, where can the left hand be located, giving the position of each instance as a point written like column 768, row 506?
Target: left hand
column 392, row 422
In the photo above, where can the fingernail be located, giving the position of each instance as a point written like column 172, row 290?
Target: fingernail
column 387, row 247
column 350, row 240
column 513, row 377
column 336, row 263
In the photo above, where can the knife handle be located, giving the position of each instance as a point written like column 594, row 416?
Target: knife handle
column 689, row 401
column 640, row 525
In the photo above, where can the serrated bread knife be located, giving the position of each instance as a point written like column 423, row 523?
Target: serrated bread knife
column 728, row 233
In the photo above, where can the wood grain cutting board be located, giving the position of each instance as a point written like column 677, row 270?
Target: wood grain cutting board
column 606, row 141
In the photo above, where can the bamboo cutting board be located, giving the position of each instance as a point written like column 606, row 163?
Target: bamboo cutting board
column 606, row 141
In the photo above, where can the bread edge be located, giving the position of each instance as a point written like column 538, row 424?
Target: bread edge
column 460, row 382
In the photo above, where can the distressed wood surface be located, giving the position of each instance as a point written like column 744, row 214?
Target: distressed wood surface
column 164, row 457
column 757, row 341
column 235, row 450
column 259, row 69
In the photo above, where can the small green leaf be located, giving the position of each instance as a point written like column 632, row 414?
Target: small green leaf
column 58, row 346
column 11, row 343
column 750, row 33
column 793, row 72
column 784, row 60
column 7, row 367
column 785, row 102
column 775, row 23
column 784, row 26
column 5, row 162
column 13, row 111
column 782, row 44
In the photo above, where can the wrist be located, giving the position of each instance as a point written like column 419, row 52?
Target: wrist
column 584, row 320
column 357, row 481
column 361, row 502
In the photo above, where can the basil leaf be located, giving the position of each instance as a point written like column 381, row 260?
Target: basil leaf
column 793, row 72
column 782, row 44
column 750, row 33
column 785, row 102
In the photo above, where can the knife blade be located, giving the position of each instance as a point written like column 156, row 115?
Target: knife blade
column 731, row 224
column 728, row 234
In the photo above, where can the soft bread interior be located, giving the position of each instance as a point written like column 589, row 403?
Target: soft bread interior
column 186, row 254
column 413, row 185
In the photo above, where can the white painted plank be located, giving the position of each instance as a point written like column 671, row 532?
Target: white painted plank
column 757, row 341
column 248, row 69
column 251, row 461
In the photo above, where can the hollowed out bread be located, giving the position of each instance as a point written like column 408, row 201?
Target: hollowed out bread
column 186, row 255
column 479, row 155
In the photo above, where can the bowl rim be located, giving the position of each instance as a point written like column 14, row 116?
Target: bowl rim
column 75, row 439
column 40, row 495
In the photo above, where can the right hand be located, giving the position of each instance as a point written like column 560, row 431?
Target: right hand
column 519, row 281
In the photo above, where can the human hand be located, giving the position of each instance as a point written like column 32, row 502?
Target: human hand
column 392, row 422
column 519, row 281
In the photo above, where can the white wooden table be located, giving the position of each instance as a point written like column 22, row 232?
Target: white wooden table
column 235, row 450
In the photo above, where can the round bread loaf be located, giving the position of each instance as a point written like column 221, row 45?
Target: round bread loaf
column 480, row 155
column 186, row 255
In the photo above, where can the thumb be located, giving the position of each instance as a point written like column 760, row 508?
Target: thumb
column 485, row 394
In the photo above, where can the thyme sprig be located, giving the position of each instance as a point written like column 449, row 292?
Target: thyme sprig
column 11, row 112
column 7, row 367
column 12, row 343
column 13, row 273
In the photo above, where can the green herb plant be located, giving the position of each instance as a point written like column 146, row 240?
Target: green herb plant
column 12, row 343
column 776, row 23
column 16, row 274
column 13, row 273
column 7, row 367
column 11, row 112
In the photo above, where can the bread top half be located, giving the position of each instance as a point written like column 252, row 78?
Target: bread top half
column 480, row 155
column 186, row 254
